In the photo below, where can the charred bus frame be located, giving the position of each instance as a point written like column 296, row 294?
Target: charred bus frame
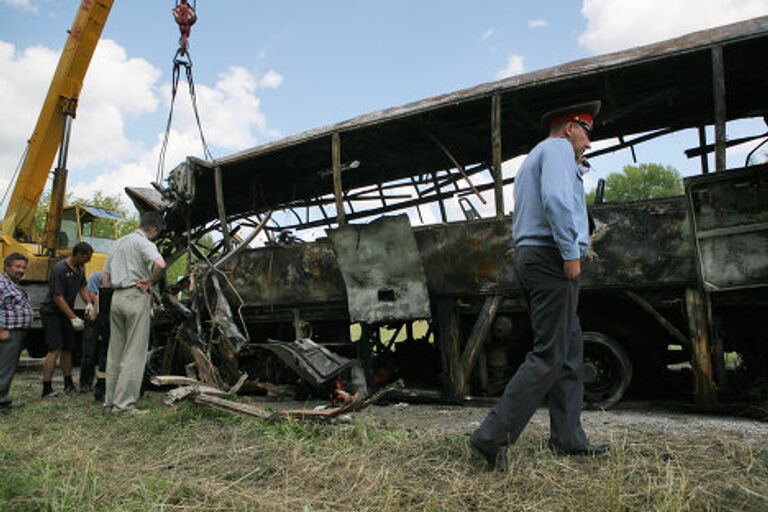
column 657, row 274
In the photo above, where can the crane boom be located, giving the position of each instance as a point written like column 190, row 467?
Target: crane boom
column 58, row 109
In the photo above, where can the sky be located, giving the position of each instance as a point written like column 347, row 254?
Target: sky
column 267, row 70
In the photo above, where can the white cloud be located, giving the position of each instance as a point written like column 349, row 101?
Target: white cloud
column 22, row 5
column 230, row 111
column 618, row 24
column 24, row 78
column 122, row 93
column 514, row 66
column 272, row 79
column 537, row 23
column 115, row 88
column 141, row 170
column 489, row 33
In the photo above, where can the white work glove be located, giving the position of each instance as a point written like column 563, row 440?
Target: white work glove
column 77, row 324
column 91, row 312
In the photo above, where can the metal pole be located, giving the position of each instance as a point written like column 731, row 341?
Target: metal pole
column 704, row 156
column 718, row 89
column 220, row 207
column 337, row 190
column 496, row 150
column 59, row 188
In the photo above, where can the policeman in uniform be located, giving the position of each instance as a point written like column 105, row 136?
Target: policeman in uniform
column 550, row 232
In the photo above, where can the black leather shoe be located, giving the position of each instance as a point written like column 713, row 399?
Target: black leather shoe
column 496, row 459
column 588, row 450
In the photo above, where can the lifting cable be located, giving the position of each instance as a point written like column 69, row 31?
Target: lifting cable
column 185, row 16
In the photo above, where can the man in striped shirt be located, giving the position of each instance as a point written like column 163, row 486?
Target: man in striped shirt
column 15, row 319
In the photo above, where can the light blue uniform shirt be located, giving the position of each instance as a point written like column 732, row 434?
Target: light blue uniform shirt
column 550, row 207
column 94, row 282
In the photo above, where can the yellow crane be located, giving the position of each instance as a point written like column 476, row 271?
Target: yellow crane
column 51, row 134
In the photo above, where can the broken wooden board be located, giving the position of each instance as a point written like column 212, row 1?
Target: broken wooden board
column 180, row 393
column 174, row 380
column 232, row 406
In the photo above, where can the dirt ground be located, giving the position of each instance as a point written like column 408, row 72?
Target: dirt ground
column 630, row 417
column 655, row 418
column 665, row 419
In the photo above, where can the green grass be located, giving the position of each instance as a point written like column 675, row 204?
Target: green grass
column 71, row 455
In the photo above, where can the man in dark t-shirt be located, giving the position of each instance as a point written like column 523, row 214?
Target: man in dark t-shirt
column 59, row 319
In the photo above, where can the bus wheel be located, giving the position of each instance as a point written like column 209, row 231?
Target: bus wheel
column 607, row 370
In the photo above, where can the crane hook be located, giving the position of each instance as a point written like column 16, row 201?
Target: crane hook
column 185, row 16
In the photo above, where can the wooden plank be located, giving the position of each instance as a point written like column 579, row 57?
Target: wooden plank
column 229, row 405
column 704, row 387
column 476, row 341
column 337, row 189
column 718, row 89
column 174, row 380
column 183, row 392
column 496, row 154
column 449, row 339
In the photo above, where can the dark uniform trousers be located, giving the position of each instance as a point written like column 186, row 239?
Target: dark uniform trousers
column 553, row 369
column 96, row 341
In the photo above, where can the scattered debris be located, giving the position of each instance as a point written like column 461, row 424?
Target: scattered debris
column 274, row 392
column 207, row 395
column 311, row 361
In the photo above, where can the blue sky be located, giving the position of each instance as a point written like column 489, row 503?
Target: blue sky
column 265, row 70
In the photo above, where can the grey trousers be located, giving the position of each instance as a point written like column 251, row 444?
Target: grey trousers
column 129, row 321
column 553, row 369
column 9, row 358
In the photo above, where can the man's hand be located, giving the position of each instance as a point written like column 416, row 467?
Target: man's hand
column 90, row 312
column 5, row 334
column 77, row 323
column 144, row 284
column 571, row 269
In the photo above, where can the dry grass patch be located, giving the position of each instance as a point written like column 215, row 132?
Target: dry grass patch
column 69, row 455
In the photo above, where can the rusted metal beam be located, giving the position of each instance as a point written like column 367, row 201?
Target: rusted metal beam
column 455, row 162
column 708, row 148
column 419, row 195
column 403, row 205
column 440, row 202
column 451, row 179
column 381, row 195
column 702, row 146
column 718, row 90
column 219, row 189
column 496, row 154
column 475, row 342
column 668, row 326
column 337, row 190
column 633, row 142
column 230, row 255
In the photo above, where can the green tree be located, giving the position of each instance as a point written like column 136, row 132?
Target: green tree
column 638, row 182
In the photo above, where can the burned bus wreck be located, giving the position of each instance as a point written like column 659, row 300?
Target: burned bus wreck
column 375, row 298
